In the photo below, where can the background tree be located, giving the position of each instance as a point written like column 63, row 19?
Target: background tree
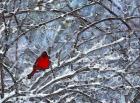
column 93, row 45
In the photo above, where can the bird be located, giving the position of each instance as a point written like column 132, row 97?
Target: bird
column 42, row 63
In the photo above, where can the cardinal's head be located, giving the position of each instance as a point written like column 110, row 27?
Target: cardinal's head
column 44, row 54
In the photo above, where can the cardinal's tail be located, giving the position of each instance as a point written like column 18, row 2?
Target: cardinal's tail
column 31, row 74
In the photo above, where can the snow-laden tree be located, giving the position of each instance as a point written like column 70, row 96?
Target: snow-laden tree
column 93, row 45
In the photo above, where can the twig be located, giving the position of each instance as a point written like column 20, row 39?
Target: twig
column 44, row 23
column 2, row 82
column 62, row 78
column 52, row 71
column 124, row 22
column 130, row 64
column 92, row 24
column 72, row 60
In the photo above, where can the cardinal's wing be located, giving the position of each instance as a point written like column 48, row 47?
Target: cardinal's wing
column 36, row 62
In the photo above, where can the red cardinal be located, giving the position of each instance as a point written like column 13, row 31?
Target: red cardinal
column 42, row 63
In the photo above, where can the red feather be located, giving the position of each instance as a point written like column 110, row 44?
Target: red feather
column 42, row 63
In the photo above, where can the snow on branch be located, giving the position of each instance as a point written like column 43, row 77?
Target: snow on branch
column 44, row 23
column 67, row 76
column 104, row 46
column 73, row 60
